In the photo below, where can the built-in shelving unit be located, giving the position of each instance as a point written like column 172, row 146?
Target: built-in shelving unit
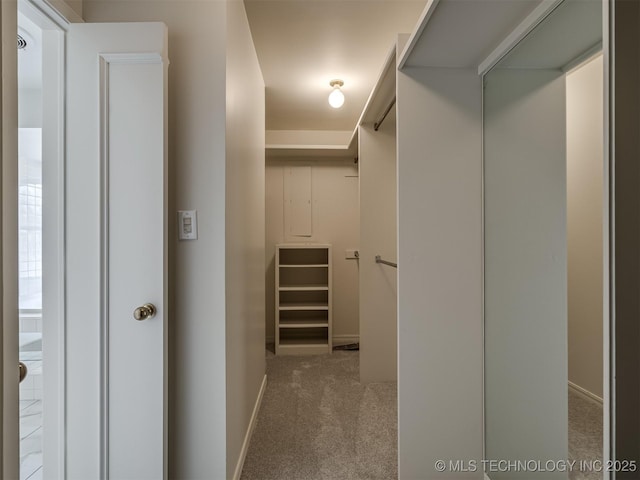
column 303, row 298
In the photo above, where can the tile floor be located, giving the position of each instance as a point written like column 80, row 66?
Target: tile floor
column 31, row 417
column 30, row 440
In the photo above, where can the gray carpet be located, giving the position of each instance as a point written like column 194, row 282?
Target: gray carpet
column 318, row 422
column 585, row 434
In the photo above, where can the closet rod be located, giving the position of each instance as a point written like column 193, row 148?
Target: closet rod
column 380, row 260
column 376, row 125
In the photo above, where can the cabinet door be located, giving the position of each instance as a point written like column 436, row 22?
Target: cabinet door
column 297, row 201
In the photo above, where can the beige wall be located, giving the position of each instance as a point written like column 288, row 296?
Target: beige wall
column 335, row 214
column 198, row 177
column 378, row 228
column 72, row 10
column 245, row 226
column 584, row 224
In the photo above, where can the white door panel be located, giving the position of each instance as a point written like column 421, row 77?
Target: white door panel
column 136, row 220
column 116, row 250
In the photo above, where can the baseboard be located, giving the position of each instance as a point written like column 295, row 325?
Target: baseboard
column 586, row 394
column 345, row 339
column 250, row 428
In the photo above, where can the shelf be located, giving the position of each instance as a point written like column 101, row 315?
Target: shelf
column 304, row 323
column 303, row 306
column 293, row 342
column 311, row 265
column 307, row 255
column 303, row 299
column 303, row 288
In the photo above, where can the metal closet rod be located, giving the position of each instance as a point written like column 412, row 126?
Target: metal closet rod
column 376, row 125
column 380, row 260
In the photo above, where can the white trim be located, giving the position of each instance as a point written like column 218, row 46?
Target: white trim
column 586, row 394
column 106, row 59
column 54, row 12
column 54, row 259
column 285, row 146
column 44, row 19
column 354, row 139
column 250, row 429
column 134, row 58
column 9, row 442
column 104, row 266
column 608, row 316
column 526, row 26
column 389, row 64
column 417, row 33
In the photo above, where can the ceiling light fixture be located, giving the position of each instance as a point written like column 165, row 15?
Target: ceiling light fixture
column 336, row 97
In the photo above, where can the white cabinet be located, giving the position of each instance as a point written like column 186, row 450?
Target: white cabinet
column 303, row 299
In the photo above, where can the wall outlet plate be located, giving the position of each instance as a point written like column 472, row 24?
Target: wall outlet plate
column 352, row 254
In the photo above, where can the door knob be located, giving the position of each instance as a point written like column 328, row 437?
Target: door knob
column 22, row 368
column 148, row 310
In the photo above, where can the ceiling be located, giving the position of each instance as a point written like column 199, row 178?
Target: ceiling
column 303, row 44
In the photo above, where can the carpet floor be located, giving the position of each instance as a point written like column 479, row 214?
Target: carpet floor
column 585, row 435
column 318, row 422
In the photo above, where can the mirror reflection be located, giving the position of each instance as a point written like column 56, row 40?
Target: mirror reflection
column 543, row 183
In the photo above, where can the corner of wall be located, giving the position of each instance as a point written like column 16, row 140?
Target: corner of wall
column 244, row 235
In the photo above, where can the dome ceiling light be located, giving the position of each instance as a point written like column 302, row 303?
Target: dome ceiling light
column 336, row 97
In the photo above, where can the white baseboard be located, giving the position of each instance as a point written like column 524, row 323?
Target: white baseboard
column 345, row 339
column 584, row 393
column 250, row 428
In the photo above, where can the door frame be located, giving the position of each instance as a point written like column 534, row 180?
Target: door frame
column 53, row 19
column 9, row 137
column 53, row 233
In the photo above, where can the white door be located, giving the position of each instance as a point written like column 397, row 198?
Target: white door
column 116, row 251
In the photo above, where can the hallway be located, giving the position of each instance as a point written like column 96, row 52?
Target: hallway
column 317, row 421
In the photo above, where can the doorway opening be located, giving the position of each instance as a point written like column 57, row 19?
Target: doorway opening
column 545, row 228
column 30, row 244
column 41, row 241
column 585, row 276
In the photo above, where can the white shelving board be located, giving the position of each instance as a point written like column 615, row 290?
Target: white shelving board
column 303, row 299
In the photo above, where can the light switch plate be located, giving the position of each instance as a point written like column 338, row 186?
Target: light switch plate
column 187, row 224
